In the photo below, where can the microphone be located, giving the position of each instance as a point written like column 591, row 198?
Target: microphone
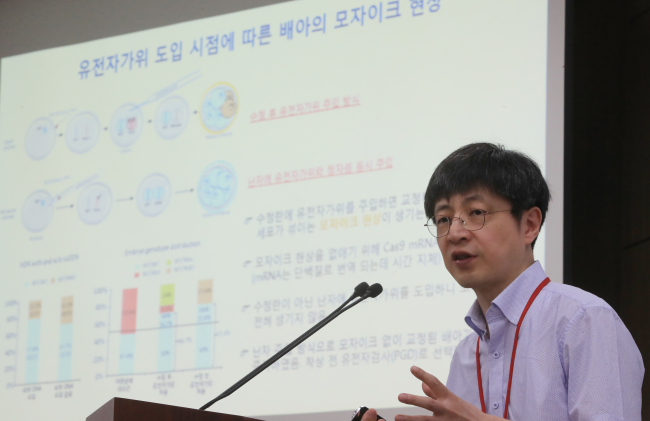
column 361, row 291
column 373, row 291
column 370, row 292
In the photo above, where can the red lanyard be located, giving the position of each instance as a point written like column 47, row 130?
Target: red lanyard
column 514, row 351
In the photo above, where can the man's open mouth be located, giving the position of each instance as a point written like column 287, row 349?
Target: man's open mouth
column 460, row 256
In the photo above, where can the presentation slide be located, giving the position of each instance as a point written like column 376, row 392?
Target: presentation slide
column 178, row 204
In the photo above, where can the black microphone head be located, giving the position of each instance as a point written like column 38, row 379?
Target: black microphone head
column 374, row 290
column 360, row 289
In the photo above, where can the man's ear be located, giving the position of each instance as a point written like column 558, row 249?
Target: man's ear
column 531, row 223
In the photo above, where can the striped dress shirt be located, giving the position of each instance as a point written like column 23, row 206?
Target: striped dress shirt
column 575, row 359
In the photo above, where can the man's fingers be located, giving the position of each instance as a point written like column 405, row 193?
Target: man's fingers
column 436, row 387
column 421, row 401
column 370, row 415
column 427, row 391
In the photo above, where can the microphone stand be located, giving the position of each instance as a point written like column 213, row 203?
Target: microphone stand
column 340, row 310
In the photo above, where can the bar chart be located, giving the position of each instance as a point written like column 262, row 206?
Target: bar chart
column 39, row 341
column 174, row 333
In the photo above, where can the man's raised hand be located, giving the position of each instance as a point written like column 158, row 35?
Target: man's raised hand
column 443, row 404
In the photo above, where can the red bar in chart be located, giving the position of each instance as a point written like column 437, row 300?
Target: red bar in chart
column 129, row 309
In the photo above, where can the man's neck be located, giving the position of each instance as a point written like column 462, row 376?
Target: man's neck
column 491, row 291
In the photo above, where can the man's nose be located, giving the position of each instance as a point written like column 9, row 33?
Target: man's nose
column 457, row 231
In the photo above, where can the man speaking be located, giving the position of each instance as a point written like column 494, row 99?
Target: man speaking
column 538, row 350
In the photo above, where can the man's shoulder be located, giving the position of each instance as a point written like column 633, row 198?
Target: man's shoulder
column 570, row 300
column 568, row 294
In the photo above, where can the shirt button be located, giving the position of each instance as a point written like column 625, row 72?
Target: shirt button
column 496, row 355
column 495, row 405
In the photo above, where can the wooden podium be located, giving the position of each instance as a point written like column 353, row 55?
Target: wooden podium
column 120, row 409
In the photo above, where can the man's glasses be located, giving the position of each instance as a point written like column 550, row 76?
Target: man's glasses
column 472, row 220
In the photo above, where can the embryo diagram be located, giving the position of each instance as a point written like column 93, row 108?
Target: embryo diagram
column 217, row 187
column 94, row 203
column 154, row 195
column 165, row 113
column 37, row 211
column 126, row 125
column 82, row 131
column 219, row 107
column 171, row 118
column 40, row 138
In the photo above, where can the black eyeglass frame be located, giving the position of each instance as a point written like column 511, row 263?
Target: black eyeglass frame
column 459, row 217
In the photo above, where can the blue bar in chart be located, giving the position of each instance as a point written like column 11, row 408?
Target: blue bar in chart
column 33, row 342
column 166, row 334
column 205, row 326
column 65, row 339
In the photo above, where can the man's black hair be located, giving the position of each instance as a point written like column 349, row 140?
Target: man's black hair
column 509, row 174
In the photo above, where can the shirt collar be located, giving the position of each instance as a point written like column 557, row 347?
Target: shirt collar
column 475, row 320
column 511, row 301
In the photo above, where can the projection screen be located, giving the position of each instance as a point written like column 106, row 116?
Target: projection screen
column 179, row 203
